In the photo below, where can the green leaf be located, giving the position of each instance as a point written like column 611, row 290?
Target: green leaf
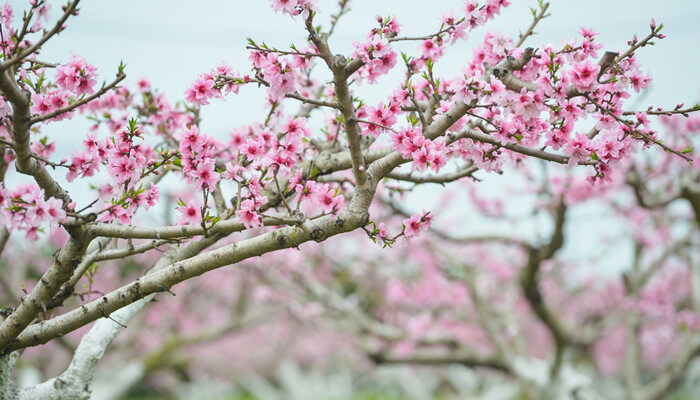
column 120, row 69
column 132, row 125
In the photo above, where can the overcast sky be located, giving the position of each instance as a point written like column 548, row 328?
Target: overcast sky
column 171, row 41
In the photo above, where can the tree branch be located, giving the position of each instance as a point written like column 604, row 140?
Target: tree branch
column 71, row 107
column 441, row 179
column 557, row 158
column 435, row 358
column 337, row 65
column 535, row 20
column 70, row 9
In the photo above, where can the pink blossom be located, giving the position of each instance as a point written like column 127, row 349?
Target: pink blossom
column 205, row 176
column 608, row 146
column 6, row 14
column 201, row 90
column 415, row 223
column 76, row 76
column 190, row 214
column 328, row 198
column 578, row 149
column 584, row 75
column 431, row 49
column 499, row 42
column 249, row 215
column 143, row 85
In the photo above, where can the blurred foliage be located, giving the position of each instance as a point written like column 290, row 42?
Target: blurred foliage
column 248, row 397
column 367, row 396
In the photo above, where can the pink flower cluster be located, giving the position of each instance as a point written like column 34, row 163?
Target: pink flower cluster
column 74, row 79
column 86, row 162
column 416, row 223
column 6, row 14
column 125, row 209
column 278, row 72
column 432, row 49
column 457, row 27
column 381, row 116
column 263, row 148
column 584, row 75
column 41, row 12
column 271, row 152
column 388, row 27
column 205, row 87
column 326, row 196
column 251, row 198
column 126, row 161
column 377, row 55
column 26, row 209
column 45, row 103
column 293, row 7
column 190, row 213
column 476, row 14
column 126, row 158
column 197, row 155
column 549, row 114
column 425, row 153
column 76, row 76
